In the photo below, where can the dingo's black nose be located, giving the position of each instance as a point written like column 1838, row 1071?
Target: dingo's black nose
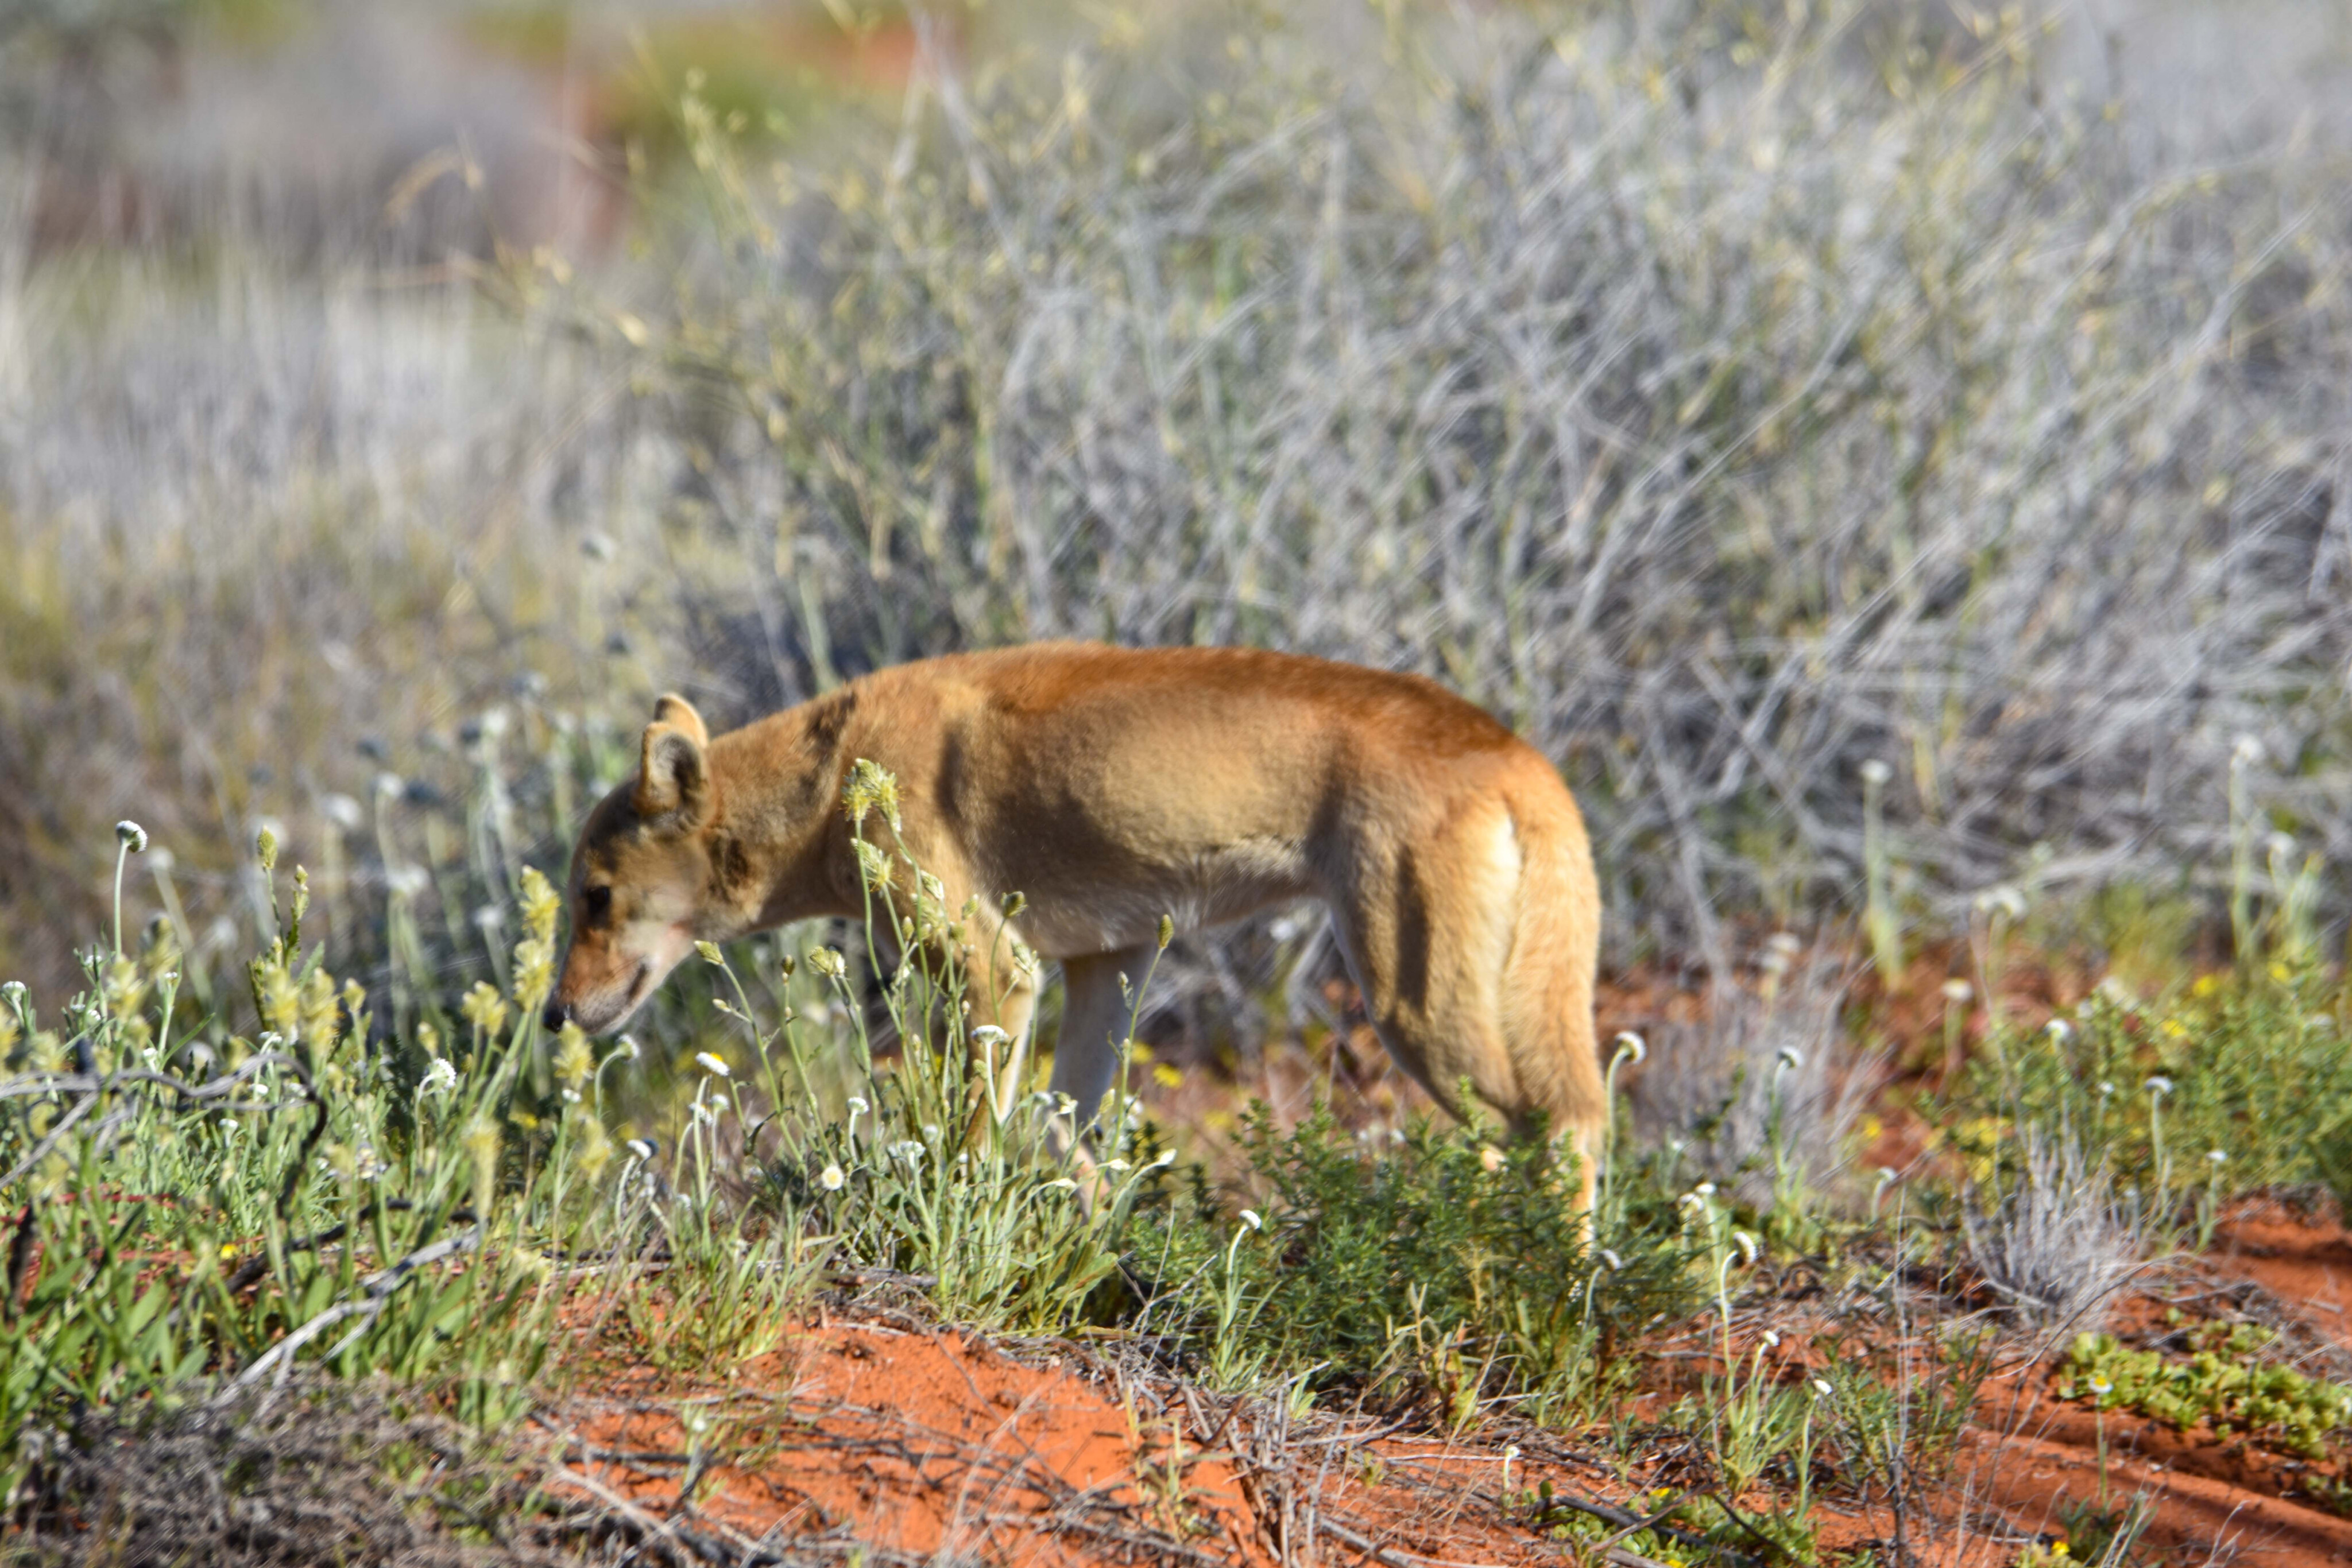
column 554, row 1016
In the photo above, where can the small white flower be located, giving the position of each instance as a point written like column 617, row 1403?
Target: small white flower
column 629, row 1047
column 713, row 1064
column 1632, row 1046
column 406, row 880
column 2158, row 1085
column 130, row 835
column 2216, row 1156
column 1254, row 1221
column 1611, row 1259
column 831, row 1179
column 342, row 810
column 1874, row 771
column 640, row 1148
column 2059, row 1030
column 1821, row 1389
column 2002, row 900
column 990, row 1035
column 2107, row 1088
column 1958, row 992
column 571, row 1096
column 2101, row 1388
column 1771, row 1339
column 1113, row 1164
column 930, row 1131
column 439, row 1078
column 1747, row 1244
column 1705, row 1189
column 2247, row 751
column 1790, row 1059
column 490, row 917
column 857, row 1106
column 1167, row 1158
column 1063, row 1184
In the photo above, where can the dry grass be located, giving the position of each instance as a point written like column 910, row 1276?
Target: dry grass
column 1724, row 402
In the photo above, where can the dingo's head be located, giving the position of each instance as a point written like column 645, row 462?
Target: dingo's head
column 640, row 877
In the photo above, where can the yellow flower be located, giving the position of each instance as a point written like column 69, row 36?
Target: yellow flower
column 48, row 1055
column 2205, row 987
column 125, row 987
column 540, row 905
column 1166, row 1076
column 534, row 972
column 2281, row 972
column 574, row 1061
column 281, row 1004
column 595, row 1148
column 317, row 1009
column 2173, row 1029
column 484, row 1008
column 481, row 1140
column 871, row 787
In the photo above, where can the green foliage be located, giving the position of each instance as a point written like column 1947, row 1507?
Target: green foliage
column 193, row 1206
column 1897, row 1408
column 2221, row 1384
column 2255, row 1069
column 1456, row 1269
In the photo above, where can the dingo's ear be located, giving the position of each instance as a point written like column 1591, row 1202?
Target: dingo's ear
column 673, row 709
column 673, row 775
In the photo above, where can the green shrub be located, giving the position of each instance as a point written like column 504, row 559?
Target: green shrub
column 1436, row 1262
column 2239, row 1084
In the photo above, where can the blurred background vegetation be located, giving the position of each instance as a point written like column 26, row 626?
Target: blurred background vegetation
column 395, row 399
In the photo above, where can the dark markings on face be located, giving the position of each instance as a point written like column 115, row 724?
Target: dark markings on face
column 730, row 867
column 831, row 717
column 595, row 905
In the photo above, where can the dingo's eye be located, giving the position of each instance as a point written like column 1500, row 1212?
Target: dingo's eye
column 595, row 903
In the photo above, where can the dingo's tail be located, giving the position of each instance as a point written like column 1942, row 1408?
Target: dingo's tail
column 1548, row 980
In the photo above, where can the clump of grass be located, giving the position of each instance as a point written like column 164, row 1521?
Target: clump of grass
column 1762, row 1097
column 2057, row 1243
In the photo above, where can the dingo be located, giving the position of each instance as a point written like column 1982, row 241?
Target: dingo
column 1110, row 786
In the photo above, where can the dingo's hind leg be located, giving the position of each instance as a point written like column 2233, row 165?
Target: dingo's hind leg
column 1476, row 964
